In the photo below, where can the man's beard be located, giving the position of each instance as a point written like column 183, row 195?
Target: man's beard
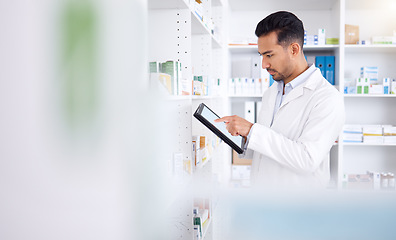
column 279, row 76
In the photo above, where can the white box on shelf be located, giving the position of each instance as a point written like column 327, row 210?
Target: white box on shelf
column 231, row 86
column 389, row 130
column 238, row 86
column 258, row 87
column 393, row 86
column 310, row 40
column 376, row 89
column 369, row 72
column 265, row 80
column 321, row 36
column 252, row 86
column 353, row 137
column 390, row 139
column 245, row 86
column 353, row 128
column 373, row 139
column 373, row 130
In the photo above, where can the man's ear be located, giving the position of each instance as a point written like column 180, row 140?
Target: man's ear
column 295, row 48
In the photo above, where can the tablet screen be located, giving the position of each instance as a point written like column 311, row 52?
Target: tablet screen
column 210, row 116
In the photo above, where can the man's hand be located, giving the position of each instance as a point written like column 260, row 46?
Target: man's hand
column 236, row 125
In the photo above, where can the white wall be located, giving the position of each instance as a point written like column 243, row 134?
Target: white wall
column 243, row 23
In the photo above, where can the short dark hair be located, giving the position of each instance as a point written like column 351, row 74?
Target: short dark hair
column 288, row 27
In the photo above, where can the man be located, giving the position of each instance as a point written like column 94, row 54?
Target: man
column 301, row 114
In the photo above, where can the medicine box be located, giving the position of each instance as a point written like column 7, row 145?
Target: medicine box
column 372, row 130
column 390, row 139
column 369, row 72
column 351, row 34
column 393, row 86
column 321, row 36
column 376, row 89
column 353, row 133
column 389, row 130
column 373, row 139
column 386, row 84
column 352, row 137
column 353, row 129
column 362, row 85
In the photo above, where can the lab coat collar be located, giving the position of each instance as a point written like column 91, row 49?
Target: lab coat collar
column 310, row 84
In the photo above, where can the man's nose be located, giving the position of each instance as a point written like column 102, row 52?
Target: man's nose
column 265, row 64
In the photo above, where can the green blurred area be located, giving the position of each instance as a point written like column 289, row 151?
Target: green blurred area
column 79, row 87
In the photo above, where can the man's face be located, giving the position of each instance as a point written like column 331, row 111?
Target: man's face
column 275, row 58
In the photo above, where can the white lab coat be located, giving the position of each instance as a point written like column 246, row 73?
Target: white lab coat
column 294, row 151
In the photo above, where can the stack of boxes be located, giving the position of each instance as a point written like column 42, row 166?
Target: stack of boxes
column 370, row 181
column 370, row 134
column 205, row 86
column 202, row 149
column 353, row 133
column 369, row 83
column 317, row 39
column 389, row 134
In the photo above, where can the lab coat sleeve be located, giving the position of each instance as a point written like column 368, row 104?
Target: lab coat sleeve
column 248, row 153
column 306, row 153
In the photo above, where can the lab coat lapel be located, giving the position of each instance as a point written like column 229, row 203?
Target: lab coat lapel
column 295, row 93
column 299, row 90
column 271, row 105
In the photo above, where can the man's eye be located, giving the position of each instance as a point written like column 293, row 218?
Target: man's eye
column 269, row 55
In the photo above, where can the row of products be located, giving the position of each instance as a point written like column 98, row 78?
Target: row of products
column 202, row 213
column 371, row 134
column 248, row 86
column 180, row 166
column 369, row 83
column 309, row 39
column 205, row 86
column 169, row 75
column 201, row 10
column 352, row 37
column 317, row 39
column 369, row 180
column 202, row 149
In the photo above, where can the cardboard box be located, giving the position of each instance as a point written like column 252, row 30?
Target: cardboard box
column 240, row 161
column 351, row 34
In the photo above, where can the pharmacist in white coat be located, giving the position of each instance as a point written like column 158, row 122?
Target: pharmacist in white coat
column 301, row 114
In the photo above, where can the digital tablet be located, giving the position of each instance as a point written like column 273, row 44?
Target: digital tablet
column 206, row 116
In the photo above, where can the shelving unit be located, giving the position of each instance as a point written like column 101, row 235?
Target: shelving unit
column 369, row 109
column 333, row 15
column 177, row 33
